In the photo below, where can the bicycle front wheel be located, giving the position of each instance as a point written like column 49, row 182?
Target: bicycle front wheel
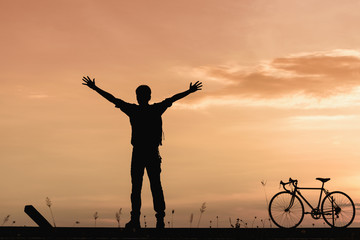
column 286, row 210
column 338, row 209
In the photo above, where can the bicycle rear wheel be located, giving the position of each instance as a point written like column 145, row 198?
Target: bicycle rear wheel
column 286, row 210
column 338, row 209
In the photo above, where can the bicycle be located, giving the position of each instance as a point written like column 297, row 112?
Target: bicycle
column 286, row 209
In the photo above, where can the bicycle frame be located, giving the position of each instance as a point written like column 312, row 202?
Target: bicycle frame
column 296, row 191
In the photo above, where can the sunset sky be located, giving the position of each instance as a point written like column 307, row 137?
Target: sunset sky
column 280, row 99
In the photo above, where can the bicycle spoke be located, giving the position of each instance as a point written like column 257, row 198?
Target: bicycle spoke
column 338, row 210
column 286, row 210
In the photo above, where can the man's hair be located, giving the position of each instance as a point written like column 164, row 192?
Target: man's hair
column 143, row 90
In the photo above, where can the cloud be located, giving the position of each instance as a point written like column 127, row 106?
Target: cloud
column 317, row 74
column 296, row 101
column 300, row 80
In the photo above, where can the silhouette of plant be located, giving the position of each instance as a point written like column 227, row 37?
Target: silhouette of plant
column 230, row 223
column 49, row 203
column 263, row 223
column 118, row 216
column 191, row 219
column 237, row 224
column 6, row 219
column 172, row 218
column 13, row 222
column 210, row 223
column 217, row 221
column 263, row 183
column 96, row 216
column 202, row 210
column 145, row 221
column 244, row 223
column 252, row 225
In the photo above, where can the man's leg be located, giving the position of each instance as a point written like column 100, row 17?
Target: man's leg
column 137, row 173
column 153, row 169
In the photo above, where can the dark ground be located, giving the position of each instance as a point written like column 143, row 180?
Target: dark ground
column 180, row 233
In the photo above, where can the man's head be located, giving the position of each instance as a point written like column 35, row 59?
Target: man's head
column 143, row 94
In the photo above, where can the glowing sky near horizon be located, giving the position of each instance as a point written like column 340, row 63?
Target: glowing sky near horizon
column 281, row 99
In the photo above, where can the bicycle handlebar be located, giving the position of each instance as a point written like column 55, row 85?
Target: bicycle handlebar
column 291, row 181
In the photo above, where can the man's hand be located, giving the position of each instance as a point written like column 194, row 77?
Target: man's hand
column 88, row 82
column 197, row 86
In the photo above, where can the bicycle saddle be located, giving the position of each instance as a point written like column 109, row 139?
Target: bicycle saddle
column 324, row 180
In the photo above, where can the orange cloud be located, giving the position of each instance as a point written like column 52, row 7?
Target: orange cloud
column 316, row 74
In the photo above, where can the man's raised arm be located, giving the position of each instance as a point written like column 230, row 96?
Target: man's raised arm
column 91, row 84
column 192, row 88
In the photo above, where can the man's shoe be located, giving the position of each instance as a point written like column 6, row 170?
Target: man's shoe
column 133, row 225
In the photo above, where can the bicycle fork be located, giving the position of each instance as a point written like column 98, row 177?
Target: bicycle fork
column 291, row 203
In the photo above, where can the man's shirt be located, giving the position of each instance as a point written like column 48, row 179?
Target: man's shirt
column 146, row 122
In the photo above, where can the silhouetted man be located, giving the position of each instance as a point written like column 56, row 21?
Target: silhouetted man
column 146, row 136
